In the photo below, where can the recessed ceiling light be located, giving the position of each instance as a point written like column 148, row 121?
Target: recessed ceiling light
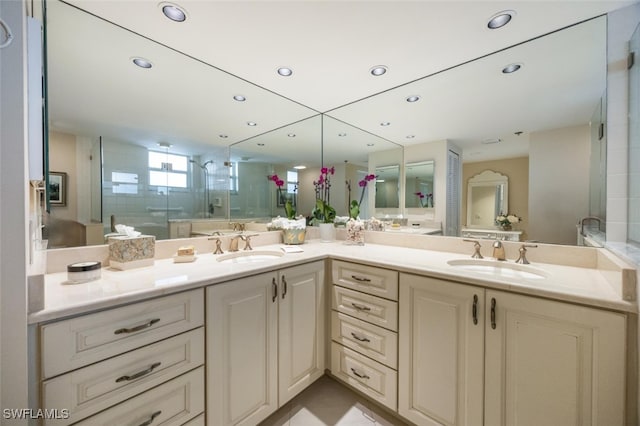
column 285, row 72
column 385, row 124
column 413, row 98
column 164, row 145
column 223, row 136
column 342, row 134
column 251, row 123
column 511, row 68
column 173, row 12
column 239, row 98
column 142, row 63
column 378, row 70
column 411, row 136
column 500, row 19
column 300, row 167
column 291, row 135
column 260, row 144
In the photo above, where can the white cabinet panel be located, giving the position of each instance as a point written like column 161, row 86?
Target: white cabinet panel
column 441, row 352
column 93, row 388
column 375, row 342
column 301, row 333
column 372, row 309
column 367, row 279
column 76, row 342
column 265, row 342
column 171, row 404
column 370, row 377
column 553, row 363
column 242, row 351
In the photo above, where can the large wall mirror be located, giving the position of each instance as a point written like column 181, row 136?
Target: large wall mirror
column 530, row 121
column 158, row 137
column 99, row 103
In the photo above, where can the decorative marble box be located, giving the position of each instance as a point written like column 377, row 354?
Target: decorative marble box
column 131, row 252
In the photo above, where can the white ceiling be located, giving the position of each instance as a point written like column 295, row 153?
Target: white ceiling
column 331, row 45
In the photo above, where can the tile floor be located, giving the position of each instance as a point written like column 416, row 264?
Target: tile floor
column 328, row 403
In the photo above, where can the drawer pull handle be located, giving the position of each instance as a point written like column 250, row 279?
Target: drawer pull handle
column 284, row 289
column 138, row 374
column 361, row 307
column 361, row 339
column 493, row 313
column 475, row 309
column 362, row 376
column 137, row 328
column 361, row 279
column 151, row 419
column 274, row 290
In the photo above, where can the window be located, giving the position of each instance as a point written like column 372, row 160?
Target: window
column 233, row 178
column 124, row 183
column 168, row 169
column 292, row 181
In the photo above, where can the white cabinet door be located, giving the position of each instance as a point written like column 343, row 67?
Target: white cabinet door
column 552, row 363
column 440, row 370
column 301, row 328
column 242, row 366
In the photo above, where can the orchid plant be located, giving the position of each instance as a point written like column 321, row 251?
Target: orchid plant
column 426, row 200
column 323, row 212
column 354, row 207
column 289, row 209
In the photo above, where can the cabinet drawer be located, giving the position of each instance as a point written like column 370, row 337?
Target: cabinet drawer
column 368, row 279
column 372, row 309
column 76, row 342
column 370, row 377
column 88, row 390
column 173, row 403
column 370, row 340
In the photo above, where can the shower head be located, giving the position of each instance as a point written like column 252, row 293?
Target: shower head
column 202, row 166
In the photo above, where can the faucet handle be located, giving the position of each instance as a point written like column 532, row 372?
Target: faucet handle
column 247, row 241
column 522, row 258
column 476, row 245
column 218, row 249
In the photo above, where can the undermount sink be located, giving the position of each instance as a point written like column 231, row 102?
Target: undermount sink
column 249, row 256
column 497, row 268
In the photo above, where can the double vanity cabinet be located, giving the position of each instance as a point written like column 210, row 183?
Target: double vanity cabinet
column 434, row 351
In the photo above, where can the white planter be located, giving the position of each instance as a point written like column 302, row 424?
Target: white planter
column 327, row 232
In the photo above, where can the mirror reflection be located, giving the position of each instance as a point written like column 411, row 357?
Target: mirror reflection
column 387, row 186
column 487, row 197
column 542, row 113
column 538, row 115
column 293, row 153
column 419, row 185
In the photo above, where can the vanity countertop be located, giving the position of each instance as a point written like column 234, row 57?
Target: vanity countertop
column 586, row 286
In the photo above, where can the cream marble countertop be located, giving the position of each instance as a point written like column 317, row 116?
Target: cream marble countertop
column 588, row 286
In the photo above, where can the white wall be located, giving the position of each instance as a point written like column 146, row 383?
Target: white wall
column 13, row 212
column 558, row 183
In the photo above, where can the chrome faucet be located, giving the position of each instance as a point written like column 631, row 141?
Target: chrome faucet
column 476, row 245
column 522, row 258
column 498, row 250
column 233, row 243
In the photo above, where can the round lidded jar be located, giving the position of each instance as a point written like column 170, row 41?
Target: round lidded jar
column 82, row 272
